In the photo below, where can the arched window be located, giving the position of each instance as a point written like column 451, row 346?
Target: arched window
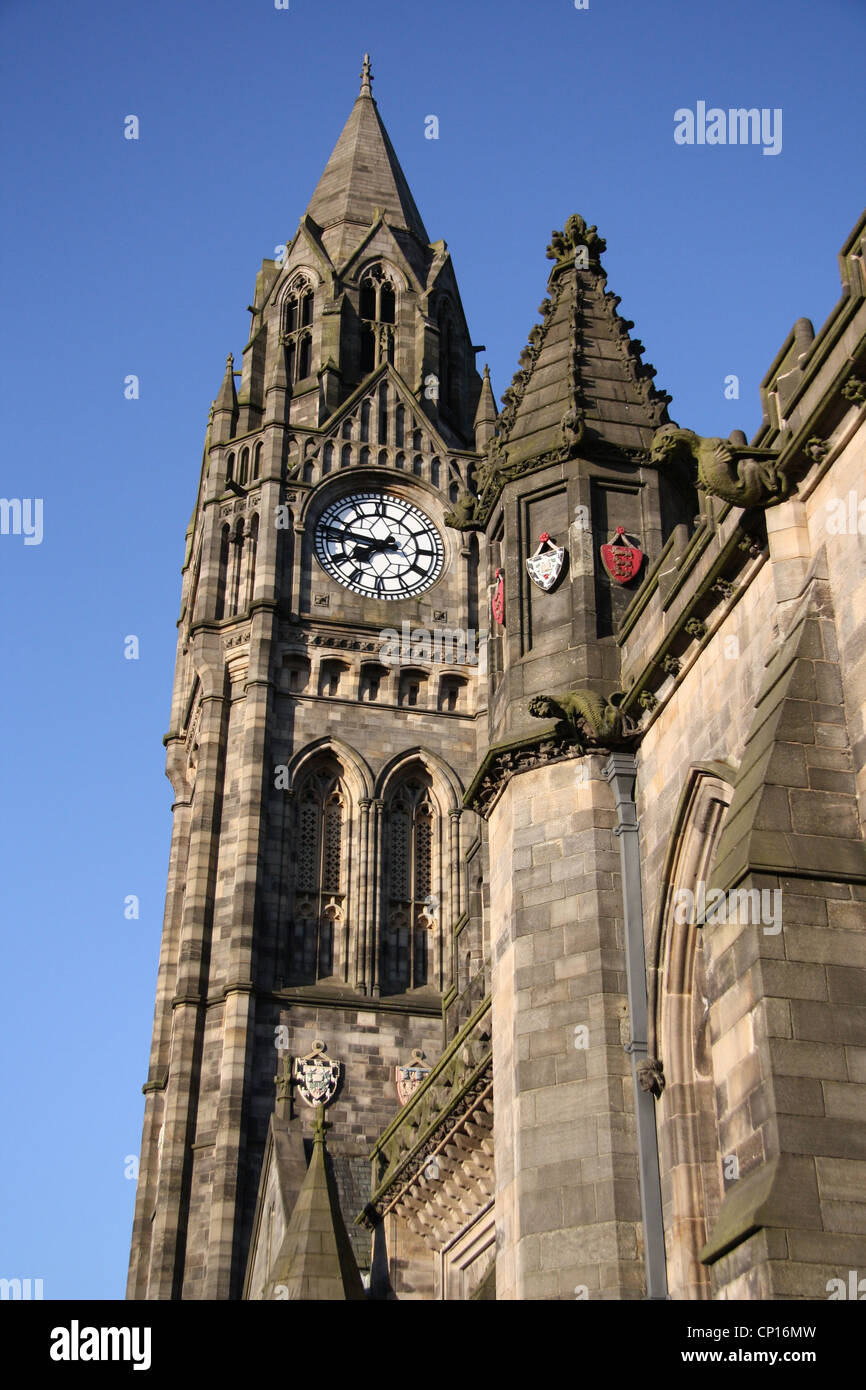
column 257, row 462
column 237, row 567
column 383, row 413
column 399, row 425
column 251, row 548
column 368, row 300
column 407, row 955
column 328, row 458
column 365, row 422
column 691, row 1168
column 316, row 942
column 299, row 314
column 400, row 460
column 230, row 468
column 417, row 465
column 434, row 471
column 346, row 456
column 368, row 350
column 304, row 357
column 365, row 457
column 244, row 468
column 377, row 306
column 222, row 578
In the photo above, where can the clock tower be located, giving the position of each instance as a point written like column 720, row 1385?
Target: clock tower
column 322, row 737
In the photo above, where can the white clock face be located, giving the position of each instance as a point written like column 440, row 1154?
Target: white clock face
column 379, row 545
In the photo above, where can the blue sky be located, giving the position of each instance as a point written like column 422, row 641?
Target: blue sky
column 140, row 256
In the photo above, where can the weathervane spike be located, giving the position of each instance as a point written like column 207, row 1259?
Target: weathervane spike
column 366, row 76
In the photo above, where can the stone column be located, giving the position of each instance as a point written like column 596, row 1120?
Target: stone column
column 188, row 1009
column 567, row 1192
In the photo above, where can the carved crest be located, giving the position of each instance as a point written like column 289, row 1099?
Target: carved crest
column 497, row 600
column 621, row 559
column 409, row 1078
column 317, row 1075
column 545, row 565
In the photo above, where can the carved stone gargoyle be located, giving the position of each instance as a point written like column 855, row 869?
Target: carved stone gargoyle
column 590, row 717
column 736, row 473
column 651, row 1076
column 462, row 515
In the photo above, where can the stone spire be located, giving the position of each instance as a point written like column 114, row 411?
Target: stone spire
column 362, row 175
column 581, row 378
column 486, row 414
column 315, row 1260
column 366, row 77
column 225, row 407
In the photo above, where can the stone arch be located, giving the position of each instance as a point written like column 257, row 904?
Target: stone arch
column 690, row 1167
column 358, row 774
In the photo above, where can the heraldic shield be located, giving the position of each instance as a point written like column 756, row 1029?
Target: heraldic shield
column 409, row 1078
column 545, row 566
column 621, row 559
column 317, row 1076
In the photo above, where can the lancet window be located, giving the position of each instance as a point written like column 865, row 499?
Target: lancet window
column 408, row 937
column 317, row 943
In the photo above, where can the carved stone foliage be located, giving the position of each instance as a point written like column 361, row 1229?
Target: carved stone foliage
column 575, row 234
column 736, row 473
column 854, row 390
column 501, row 765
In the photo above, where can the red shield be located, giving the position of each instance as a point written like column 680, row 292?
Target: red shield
column 621, row 560
column 497, row 601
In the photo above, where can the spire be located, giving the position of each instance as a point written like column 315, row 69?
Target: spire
column 225, row 407
column 315, row 1259
column 581, row 378
column 485, row 415
column 366, row 77
column 362, row 174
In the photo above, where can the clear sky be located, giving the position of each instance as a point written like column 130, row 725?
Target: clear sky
column 138, row 257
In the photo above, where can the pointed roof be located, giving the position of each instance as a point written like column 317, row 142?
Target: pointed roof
column 581, row 376
column 315, row 1260
column 363, row 174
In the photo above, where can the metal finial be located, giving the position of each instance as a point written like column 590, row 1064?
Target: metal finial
column 366, row 76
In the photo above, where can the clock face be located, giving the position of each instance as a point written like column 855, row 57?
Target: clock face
column 379, row 545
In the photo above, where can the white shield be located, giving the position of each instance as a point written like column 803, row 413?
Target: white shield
column 545, row 565
column 317, row 1076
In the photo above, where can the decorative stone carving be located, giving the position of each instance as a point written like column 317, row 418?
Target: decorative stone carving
column 696, row 628
column 736, row 473
column 672, row 665
column 575, row 233
column 651, row 1077
column 854, row 390
column 573, row 426
column 816, row 448
column 594, row 718
column 316, row 1075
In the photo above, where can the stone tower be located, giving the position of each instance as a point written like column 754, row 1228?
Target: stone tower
column 519, row 764
column 318, row 767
